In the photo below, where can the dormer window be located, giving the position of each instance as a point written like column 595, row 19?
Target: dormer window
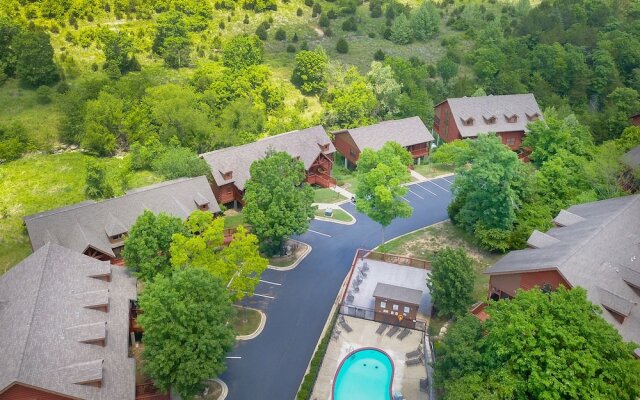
column 227, row 175
column 490, row 120
column 533, row 117
column 511, row 118
column 467, row 122
column 324, row 147
column 201, row 202
column 118, row 237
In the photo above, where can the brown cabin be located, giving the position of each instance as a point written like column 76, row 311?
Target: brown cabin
column 230, row 167
column 396, row 305
column 411, row 133
column 468, row 117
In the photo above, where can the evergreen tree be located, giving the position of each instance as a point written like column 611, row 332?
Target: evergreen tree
column 97, row 186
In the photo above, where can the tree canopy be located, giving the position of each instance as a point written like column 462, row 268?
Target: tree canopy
column 186, row 330
column 278, row 203
column 538, row 346
column 242, row 51
column 451, row 282
column 34, row 58
column 310, row 70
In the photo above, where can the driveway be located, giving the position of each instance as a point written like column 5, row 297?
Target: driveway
column 298, row 302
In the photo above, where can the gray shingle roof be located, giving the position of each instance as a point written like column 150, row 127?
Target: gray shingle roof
column 539, row 240
column 305, row 144
column 399, row 293
column 600, row 252
column 484, row 107
column 566, row 218
column 406, row 132
column 632, row 158
column 89, row 224
column 44, row 324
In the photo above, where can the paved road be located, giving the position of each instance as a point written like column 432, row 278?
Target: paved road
column 271, row 366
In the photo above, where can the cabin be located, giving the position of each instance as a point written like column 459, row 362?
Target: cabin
column 98, row 229
column 468, row 117
column 593, row 246
column 64, row 328
column 396, row 305
column 635, row 119
column 411, row 133
column 230, row 166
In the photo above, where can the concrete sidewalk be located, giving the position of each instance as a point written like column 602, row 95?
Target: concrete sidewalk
column 343, row 192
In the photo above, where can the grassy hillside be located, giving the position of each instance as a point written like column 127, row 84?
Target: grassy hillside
column 42, row 182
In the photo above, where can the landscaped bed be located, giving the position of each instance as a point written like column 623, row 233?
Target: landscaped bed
column 246, row 321
column 298, row 250
column 212, row 391
column 338, row 214
column 432, row 170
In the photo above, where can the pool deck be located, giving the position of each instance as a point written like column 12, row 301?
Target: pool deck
column 406, row 379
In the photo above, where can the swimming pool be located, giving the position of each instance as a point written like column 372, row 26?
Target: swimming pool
column 364, row 374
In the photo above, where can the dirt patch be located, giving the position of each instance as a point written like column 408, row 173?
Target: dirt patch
column 212, row 391
column 298, row 249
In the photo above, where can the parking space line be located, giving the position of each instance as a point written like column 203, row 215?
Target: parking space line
column 263, row 295
column 233, row 357
column 424, row 188
column 405, row 200
column 271, row 283
column 415, row 193
column 446, row 190
column 319, row 233
column 447, row 180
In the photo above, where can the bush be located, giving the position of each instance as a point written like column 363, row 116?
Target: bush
column 180, row 162
column 350, row 25
column 291, row 48
column 317, row 9
column 308, row 3
column 379, row 55
column 261, row 32
column 328, row 32
column 342, row 46
column 43, row 94
column 294, row 39
column 332, row 14
column 13, row 142
column 281, row 34
column 299, row 12
column 304, row 46
column 246, row 19
column 324, row 21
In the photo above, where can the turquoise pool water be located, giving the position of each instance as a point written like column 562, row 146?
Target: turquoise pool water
column 365, row 374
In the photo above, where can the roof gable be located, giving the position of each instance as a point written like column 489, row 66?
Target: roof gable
column 406, row 132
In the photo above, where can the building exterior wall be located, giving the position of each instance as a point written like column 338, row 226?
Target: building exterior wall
column 226, row 193
column 345, row 145
column 20, row 392
column 504, row 283
column 509, row 283
column 512, row 139
column 388, row 315
column 444, row 124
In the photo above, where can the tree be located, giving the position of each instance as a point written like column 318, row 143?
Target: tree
column 342, row 46
column 278, row 203
column 118, row 49
column 8, row 30
column 176, row 52
column 548, row 137
column 97, row 186
column 488, row 193
column 425, row 21
column 146, row 248
column 177, row 162
column 351, row 102
column 103, row 124
column 281, row 34
column 237, row 266
column 401, row 30
column 538, row 346
column 451, row 282
column 309, row 72
column 451, row 153
column 385, row 87
column 186, row 330
column 13, row 142
column 242, row 52
column 169, row 24
column 34, row 62
column 447, row 68
column 380, row 177
column 239, row 123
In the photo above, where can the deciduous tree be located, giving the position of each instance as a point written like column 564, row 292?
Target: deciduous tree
column 34, row 58
column 309, row 72
column 351, row 102
column 451, row 282
column 278, row 203
column 97, row 186
column 242, row 51
column 186, row 330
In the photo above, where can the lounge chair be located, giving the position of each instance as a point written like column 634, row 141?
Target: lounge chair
column 346, row 326
column 414, row 354
column 413, row 361
column 424, row 385
column 393, row 331
column 381, row 328
column 336, row 334
column 405, row 332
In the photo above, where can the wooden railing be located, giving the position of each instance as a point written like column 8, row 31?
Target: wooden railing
column 419, row 152
column 321, row 180
column 395, row 259
column 148, row 391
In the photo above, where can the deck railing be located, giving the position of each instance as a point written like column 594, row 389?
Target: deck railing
column 321, row 180
column 396, row 259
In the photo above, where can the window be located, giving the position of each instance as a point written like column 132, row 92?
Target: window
column 406, row 310
column 467, row 122
column 352, row 153
column 395, row 307
column 511, row 141
column 383, row 304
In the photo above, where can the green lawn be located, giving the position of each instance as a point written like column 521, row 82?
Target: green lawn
column 231, row 221
column 433, row 170
column 42, row 182
column 423, row 244
column 345, row 178
column 246, row 321
column 338, row 214
column 327, row 196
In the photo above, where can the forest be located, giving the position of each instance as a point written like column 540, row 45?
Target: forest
column 152, row 83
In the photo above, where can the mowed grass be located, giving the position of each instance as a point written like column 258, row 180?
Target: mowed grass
column 245, row 321
column 424, row 244
column 338, row 214
column 323, row 195
column 42, row 182
column 432, row 170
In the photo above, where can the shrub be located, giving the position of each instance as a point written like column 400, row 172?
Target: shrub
column 261, row 32
column 304, row 46
column 324, row 21
column 180, row 162
column 317, row 9
column 43, row 94
column 332, row 14
column 246, row 19
column 299, row 12
column 379, row 55
column 281, row 34
column 350, row 25
column 342, row 46
column 291, row 48
column 13, row 142
column 308, row 3
column 294, row 39
column 328, row 32
column 371, row 35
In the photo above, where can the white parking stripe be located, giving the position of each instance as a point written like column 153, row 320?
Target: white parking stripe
column 416, row 194
column 446, row 190
column 264, row 295
column 233, row 357
column 447, row 180
column 424, row 188
column 319, row 233
column 271, row 283
column 405, row 200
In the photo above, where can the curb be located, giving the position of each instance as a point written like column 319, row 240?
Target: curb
column 263, row 322
column 225, row 389
column 335, row 221
column 409, row 233
column 298, row 261
column 430, row 179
